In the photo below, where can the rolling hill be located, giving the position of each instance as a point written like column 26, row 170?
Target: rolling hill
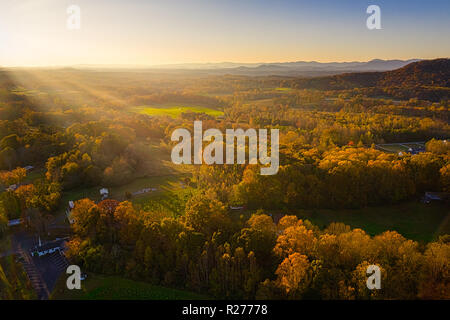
column 427, row 79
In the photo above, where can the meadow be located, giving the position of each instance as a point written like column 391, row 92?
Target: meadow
column 414, row 220
column 175, row 110
column 101, row 287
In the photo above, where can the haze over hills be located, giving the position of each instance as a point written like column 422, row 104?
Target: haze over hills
column 426, row 79
column 295, row 69
column 421, row 73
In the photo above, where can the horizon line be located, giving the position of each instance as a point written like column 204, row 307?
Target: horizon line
column 166, row 65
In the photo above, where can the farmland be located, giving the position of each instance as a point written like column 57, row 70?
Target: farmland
column 175, row 110
column 101, row 287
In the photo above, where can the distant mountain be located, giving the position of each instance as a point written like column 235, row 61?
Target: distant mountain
column 294, row 69
column 426, row 79
column 425, row 73
column 297, row 68
column 422, row 73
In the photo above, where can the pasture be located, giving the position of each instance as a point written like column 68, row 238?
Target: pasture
column 175, row 110
column 414, row 220
column 101, row 287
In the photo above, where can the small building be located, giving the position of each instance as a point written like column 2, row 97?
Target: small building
column 69, row 215
column 104, row 193
column 436, row 196
column 417, row 150
column 12, row 187
column 14, row 222
column 28, row 168
column 48, row 248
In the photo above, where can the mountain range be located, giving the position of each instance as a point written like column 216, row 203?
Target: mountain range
column 294, row 69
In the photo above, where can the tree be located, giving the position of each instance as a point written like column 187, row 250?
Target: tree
column 435, row 275
column 259, row 238
column 3, row 222
column 293, row 275
column 10, row 141
column 296, row 238
column 8, row 157
column 10, row 204
column 85, row 215
column 206, row 215
column 445, row 178
column 15, row 176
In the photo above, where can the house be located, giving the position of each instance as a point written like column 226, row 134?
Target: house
column 48, row 248
column 104, row 193
column 12, row 187
column 28, row 168
column 69, row 212
column 416, row 150
column 142, row 191
column 435, row 196
column 14, row 222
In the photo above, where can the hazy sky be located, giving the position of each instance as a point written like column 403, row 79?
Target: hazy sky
column 149, row 32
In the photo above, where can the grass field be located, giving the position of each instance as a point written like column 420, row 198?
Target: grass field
column 164, row 176
column 169, row 191
column 101, row 287
column 14, row 283
column 414, row 220
column 37, row 173
column 24, row 92
column 169, row 202
column 283, row 89
column 399, row 147
column 175, row 110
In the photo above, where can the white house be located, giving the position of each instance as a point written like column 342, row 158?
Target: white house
column 14, row 222
column 47, row 248
column 69, row 212
column 104, row 193
column 12, row 187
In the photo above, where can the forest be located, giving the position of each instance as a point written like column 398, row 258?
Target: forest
column 67, row 132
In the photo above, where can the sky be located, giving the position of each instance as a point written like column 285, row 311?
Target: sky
column 154, row 32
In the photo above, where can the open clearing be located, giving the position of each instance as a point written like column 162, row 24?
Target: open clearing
column 175, row 110
column 101, row 287
column 164, row 185
column 413, row 220
column 400, row 147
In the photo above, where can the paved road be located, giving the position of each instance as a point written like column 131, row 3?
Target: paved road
column 51, row 266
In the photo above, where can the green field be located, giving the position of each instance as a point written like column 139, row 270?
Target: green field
column 283, row 89
column 414, row 220
column 14, row 283
column 166, row 198
column 175, row 110
column 36, row 173
column 396, row 148
column 101, row 287
column 24, row 92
